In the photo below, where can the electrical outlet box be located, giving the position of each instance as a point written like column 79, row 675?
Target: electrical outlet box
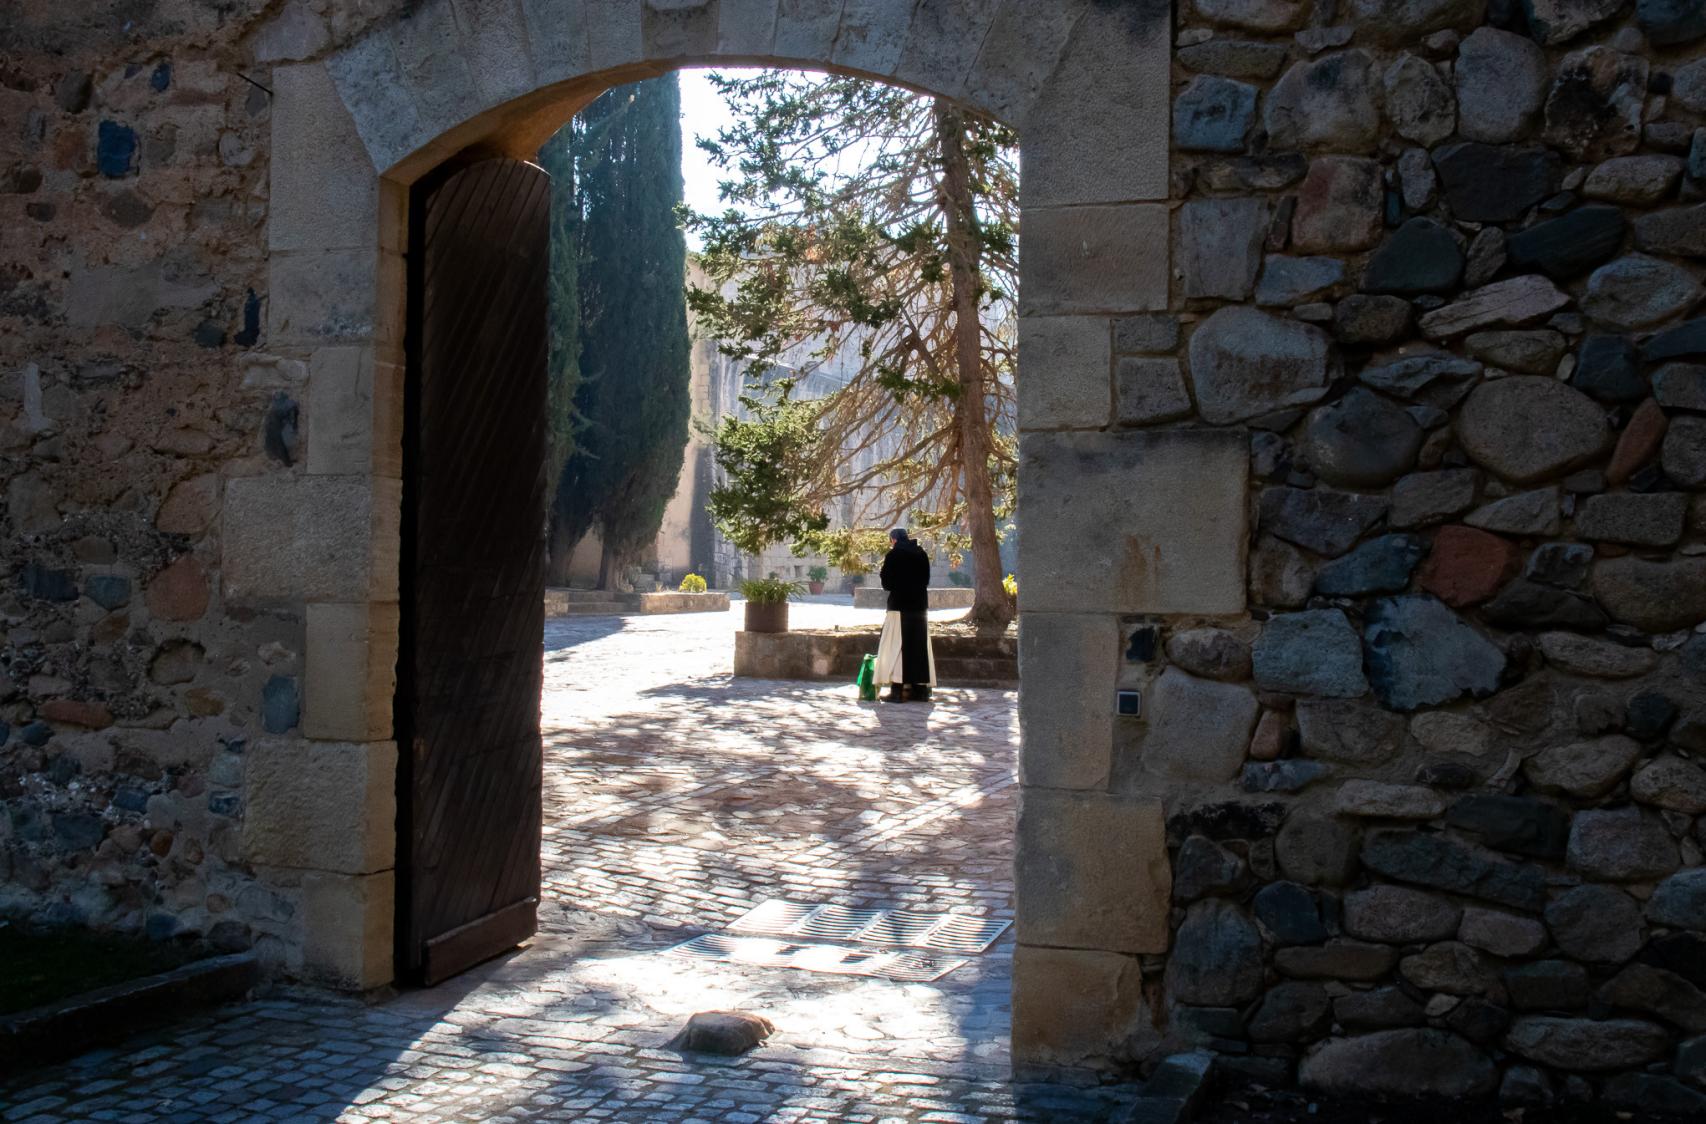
column 1128, row 704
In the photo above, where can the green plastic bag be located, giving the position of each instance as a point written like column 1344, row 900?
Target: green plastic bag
column 867, row 679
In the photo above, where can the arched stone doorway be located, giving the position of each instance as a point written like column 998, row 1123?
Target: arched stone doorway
column 1125, row 522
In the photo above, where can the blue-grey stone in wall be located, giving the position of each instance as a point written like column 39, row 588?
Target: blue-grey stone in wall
column 1213, row 114
column 1501, row 80
column 1289, row 913
column 1687, row 338
column 1292, row 774
column 1435, row 379
column 1681, row 386
column 47, row 584
column 1697, row 156
column 1365, row 318
column 109, row 591
column 1318, row 519
column 1423, row 1063
column 1669, row 22
column 130, row 799
column 1528, row 604
column 78, row 831
column 281, row 705
column 1655, row 519
column 1561, row 564
column 1621, row 845
column 1314, row 652
column 1296, row 1010
column 1495, row 183
column 1204, row 867
column 1420, row 653
column 115, row 150
column 1329, row 104
column 1513, row 823
column 1217, row 957
column 1570, row 244
column 224, row 803
column 1245, row 362
column 1680, row 901
column 1594, row 109
column 1678, row 232
column 1234, row 58
column 1362, row 440
column 35, row 733
column 1218, row 246
column 160, row 926
column 1421, row 256
column 1637, row 291
column 1425, row 859
column 1652, row 1093
column 1557, row 21
column 1607, row 368
column 1288, row 280
column 1381, row 565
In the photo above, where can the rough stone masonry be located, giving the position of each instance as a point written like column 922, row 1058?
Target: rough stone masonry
column 1363, row 429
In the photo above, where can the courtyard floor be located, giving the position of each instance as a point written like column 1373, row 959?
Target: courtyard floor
column 676, row 798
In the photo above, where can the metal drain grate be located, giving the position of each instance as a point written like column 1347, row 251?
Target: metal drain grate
column 948, row 932
column 766, row 952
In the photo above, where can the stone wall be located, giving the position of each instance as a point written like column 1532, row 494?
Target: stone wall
column 1434, row 802
column 1365, row 435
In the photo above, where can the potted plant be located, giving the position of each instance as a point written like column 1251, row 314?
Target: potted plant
column 767, row 603
column 818, row 575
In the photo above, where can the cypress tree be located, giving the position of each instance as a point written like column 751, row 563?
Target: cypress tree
column 633, row 396
column 563, row 370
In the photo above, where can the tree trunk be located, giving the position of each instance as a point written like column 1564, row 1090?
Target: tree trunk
column 991, row 607
column 609, row 566
column 559, row 553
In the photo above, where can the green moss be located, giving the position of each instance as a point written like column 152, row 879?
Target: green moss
column 46, row 965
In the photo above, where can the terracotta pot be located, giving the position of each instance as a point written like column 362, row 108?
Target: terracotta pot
column 815, row 587
column 772, row 617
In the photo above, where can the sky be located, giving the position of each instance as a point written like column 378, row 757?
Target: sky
column 703, row 112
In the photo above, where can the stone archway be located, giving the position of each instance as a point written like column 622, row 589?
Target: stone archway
column 1087, row 84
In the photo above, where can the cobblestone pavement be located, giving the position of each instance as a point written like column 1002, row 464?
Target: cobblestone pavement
column 676, row 798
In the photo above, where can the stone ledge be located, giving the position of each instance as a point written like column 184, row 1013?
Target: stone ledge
column 944, row 597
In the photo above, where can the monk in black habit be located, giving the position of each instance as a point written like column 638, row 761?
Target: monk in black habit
column 904, row 658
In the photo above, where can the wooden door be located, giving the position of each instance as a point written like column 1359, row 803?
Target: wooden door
column 473, row 569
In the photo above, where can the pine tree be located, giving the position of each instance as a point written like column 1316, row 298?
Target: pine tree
column 865, row 215
column 632, row 402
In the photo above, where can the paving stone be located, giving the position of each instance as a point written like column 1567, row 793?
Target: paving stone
column 1501, row 81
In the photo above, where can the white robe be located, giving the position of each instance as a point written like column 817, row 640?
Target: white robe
column 888, row 652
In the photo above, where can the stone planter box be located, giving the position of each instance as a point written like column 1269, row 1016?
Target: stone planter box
column 946, row 597
column 836, row 655
column 677, row 602
column 587, row 602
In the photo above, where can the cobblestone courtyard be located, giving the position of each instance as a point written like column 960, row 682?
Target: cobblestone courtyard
column 676, row 799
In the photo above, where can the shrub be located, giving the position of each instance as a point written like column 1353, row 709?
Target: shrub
column 1011, row 585
column 959, row 578
column 768, row 591
column 693, row 583
column 818, row 573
